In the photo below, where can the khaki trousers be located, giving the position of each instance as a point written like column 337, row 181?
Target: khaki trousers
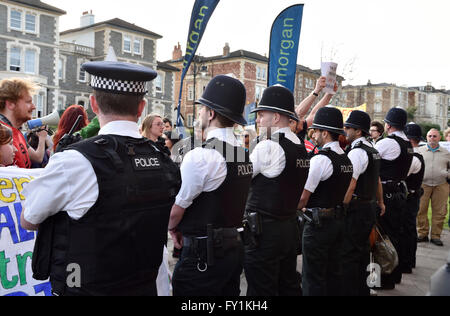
column 439, row 197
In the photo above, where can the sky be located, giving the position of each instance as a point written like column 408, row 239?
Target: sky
column 405, row 42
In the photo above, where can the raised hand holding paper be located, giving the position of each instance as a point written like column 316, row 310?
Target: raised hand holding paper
column 329, row 70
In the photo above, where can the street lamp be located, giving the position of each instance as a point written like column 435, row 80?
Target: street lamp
column 203, row 70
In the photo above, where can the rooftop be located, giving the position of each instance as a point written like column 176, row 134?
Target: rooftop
column 40, row 5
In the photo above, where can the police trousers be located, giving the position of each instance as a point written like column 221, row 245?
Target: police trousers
column 409, row 232
column 193, row 277
column 391, row 223
column 271, row 265
column 322, row 258
column 360, row 220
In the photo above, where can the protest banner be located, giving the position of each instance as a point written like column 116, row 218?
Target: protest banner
column 346, row 111
column 329, row 70
column 17, row 244
column 284, row 44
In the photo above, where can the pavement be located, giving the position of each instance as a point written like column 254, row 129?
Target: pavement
column 430, row 259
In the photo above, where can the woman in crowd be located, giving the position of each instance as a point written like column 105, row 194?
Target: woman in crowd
column 153, row 129
column 67, row 121
column 7, row 149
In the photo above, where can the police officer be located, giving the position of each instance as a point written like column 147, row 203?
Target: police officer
column 109, row 196
column 361, row 199
column 396, row 157
column 210, row 206
column 415, row 192
column 280, row 169
column 329, row 178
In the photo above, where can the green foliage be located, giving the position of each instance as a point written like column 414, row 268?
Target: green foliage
column 411, row 113
column 427, row 126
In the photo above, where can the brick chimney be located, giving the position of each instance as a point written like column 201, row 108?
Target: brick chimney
column 226, row 50
column 177, row 52
column 87, row 19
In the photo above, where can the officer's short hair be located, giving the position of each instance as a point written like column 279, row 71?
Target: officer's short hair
column 118, row 104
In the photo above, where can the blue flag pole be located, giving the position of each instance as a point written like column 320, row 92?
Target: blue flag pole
column 284, row 44
column 201, row 13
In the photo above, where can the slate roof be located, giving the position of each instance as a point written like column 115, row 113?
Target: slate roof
column 40, row 5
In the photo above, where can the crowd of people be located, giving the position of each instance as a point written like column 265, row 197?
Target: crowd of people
column 307, row 184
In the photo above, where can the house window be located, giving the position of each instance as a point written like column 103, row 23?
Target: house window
column 61, row 102
column 82, row 77
column 159, row 82
column 30, row 61
column 259, row 90
column 190, row 93
column 40, row 101
column 14, row 59
column 378, row 94
column 30, row 23
column 190, row 120
column 16, row 20
column 261, row 73
column 83, row 101
column 61, row 66
column 378, row 108
column 159, row 109
column 137, row 46
column 127, row 44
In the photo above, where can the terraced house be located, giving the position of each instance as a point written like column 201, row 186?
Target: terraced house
column 32, row 46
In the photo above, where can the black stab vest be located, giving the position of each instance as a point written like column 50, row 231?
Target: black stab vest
column 397, row 170
column 223, row 207
column 414, row 181
column 367, row 185
column 331, row 192
column 119, row 242
column 279, row 197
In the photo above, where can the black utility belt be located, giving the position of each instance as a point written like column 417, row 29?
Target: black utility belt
column 356, row 201
column 393, row 187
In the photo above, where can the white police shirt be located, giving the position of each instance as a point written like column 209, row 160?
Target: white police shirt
column 389, row 149
column 204, row 170
column 321, row 168
column 69, row 182
column 359, row 158
column 269, row 158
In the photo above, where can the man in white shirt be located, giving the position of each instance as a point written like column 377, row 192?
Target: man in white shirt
column 396, row 158
column 103, row 204
column 328, row 180
column 209, row 208
column 362, row 196
column 280, row 169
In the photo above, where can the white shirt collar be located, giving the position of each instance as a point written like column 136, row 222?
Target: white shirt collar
column 224, row 135
column 361, row 139
column 121, row 128
column 400, row 134
column 332, row 145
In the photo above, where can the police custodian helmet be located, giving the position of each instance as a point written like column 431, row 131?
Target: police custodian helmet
column 359, row 120
column 278, row 99
column 329, row 119
column 226, row 96
column 397, row 118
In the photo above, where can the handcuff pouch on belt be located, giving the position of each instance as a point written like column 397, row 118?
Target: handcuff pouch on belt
column 252, row 228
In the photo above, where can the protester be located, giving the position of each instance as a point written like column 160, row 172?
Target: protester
column 67, row 121
column 153, row 128
column 396, row 158
column 7, row 149
column 168, row 126
column 16, row 108
column 361, row 201
column 376, row 132
column 447, row 135
column 280, row 169
column 33, row 141
column 109, row 197
column 329, row 178
column 436, row 189
column 305, row 120
column 415, row 192
column 210, row 205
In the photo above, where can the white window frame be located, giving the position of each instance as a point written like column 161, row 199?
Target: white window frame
column 23, row 48
column 137, row 39
column 9, row 52
column 41, row 95
column 378, row 94
column 63, row 67
column 159, row 108
column 131, row 43
column 26, row 59
column 261, row 90
column 261, row 73
column 190, row 120
column 23, row 22
column 79, row 70
column 78, row 99
column 378, row 107
column 160, row 79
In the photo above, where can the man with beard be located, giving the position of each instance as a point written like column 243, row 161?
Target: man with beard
column 329, row 178
column 280, row 169
column 209, row 208
column 16, row 108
